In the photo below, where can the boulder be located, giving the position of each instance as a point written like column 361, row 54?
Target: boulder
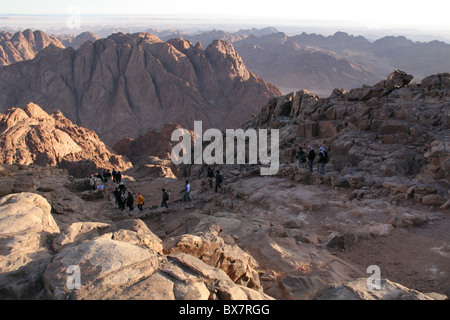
column 212, row 249
column 26, row 226
column 105, row 267
column 397, row 79
column 358, row 290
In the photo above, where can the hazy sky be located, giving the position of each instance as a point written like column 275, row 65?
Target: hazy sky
column 430, row 14
column 423, row 20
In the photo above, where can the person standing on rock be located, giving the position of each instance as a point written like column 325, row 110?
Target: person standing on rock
column 122, row 201
column 301, row 158
column 122, row 187
column 187, row 191
column 140, row 201
column 114, row 175
column 311, row 156
column 323, row 159
column 117, row 194
column 130, row 201
column 218, row 180
column 92, row 181
column 210, row 176
column 165, row 198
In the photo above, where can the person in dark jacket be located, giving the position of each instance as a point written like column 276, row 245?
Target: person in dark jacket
column 210, row 174
column 301, row 158
column 311, row 156
column 130, row 201
column 165, row 198
column 117, row 194
column 122, row 201
column 218, row 180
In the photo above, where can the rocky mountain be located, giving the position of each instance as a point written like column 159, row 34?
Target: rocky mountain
column 322, row 63
column 23, row 45
column 293, row 66
column 126, row 85
column 383, row 202
column 76, row 41
column 31, row 136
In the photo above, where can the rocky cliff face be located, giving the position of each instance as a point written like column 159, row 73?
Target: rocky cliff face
column 126, row 85
column 31, row 136
column 23, row 45
column 392, row 134
column 153, row 143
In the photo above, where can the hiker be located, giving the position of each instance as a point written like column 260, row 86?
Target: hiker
column 122, row 187
column 130, row 201
column 105, row 175
column 218, row 180
column 301, row 158
column 108, row 175
column 117, row 195
column 311, row 156
column 140, row 201
column 92, row 182
column 187, row 191
column 118, row 177
column 114, row 173
column 210, row 175
column 165, row 198
column 323, row 159
column 122, row 201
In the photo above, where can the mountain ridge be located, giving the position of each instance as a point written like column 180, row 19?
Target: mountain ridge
column 126, row 85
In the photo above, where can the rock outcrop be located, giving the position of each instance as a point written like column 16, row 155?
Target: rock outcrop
column 153, row 143
column 357, row 290
column 31, row 136
column 96, row 261
column 391, row 136
column 126, row 85
column 24, row 45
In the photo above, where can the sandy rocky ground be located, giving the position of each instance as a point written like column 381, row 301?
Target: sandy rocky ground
column 295, row 229
column 298, row 232
column 301, row 238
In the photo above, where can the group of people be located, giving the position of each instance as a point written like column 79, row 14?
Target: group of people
column 306, row 160
column 211, row 176
column 128, row 201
